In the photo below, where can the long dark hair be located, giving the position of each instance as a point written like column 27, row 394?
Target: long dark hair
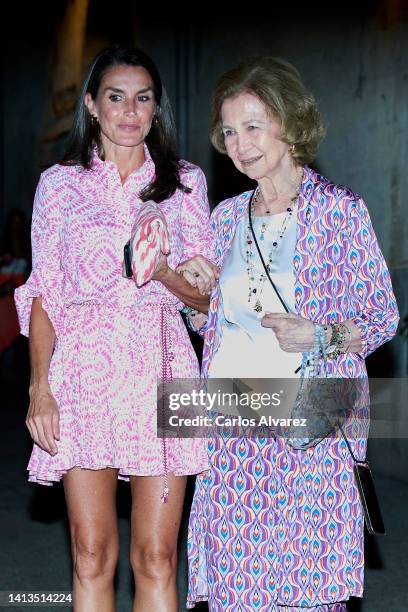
column 161, row 139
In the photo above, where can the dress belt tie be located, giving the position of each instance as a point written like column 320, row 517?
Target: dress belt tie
column 167, row 376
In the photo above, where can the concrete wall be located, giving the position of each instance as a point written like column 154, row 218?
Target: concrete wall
column 357, row 69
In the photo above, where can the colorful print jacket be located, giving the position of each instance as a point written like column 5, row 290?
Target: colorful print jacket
column 340, row 272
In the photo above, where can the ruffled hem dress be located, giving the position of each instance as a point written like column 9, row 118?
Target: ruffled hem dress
column 113, row 340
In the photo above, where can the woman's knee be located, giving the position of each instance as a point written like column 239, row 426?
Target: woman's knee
column 157, row 563
column 94, row 559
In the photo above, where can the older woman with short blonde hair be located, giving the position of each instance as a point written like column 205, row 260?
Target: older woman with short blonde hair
column 272, row 525
column 277, row 84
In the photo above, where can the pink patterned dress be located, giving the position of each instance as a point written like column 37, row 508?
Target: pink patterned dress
column 110, row 336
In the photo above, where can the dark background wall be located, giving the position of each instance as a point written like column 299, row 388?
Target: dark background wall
column 353, row 57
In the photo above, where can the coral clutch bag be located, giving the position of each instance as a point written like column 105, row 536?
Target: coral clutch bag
column 149, row 239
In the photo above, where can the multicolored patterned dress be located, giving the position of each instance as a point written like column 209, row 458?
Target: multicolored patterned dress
column 110, row 334
column 272, row 528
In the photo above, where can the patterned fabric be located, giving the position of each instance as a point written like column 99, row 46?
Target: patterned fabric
column 340, row 272
column 272, row 528
column 107, row 356
column 149, row 239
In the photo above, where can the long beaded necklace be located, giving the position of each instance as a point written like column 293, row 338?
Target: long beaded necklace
column 255, row 287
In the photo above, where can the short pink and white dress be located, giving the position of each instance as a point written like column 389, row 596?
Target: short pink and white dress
column 110, row 335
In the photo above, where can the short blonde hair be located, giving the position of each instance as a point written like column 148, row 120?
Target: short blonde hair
column 278, row 85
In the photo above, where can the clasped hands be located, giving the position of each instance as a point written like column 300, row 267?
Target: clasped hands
column 200, row 273
column 294, row 333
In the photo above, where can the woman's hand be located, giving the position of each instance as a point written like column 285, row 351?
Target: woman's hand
column 180, row 287
column 294, row 333
column 43, row 419
column 200, row 273
column 162, row 268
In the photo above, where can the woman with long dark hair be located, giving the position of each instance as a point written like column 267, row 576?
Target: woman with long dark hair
column 98, row 343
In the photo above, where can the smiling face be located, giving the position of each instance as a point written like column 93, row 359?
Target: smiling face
column 124, row 105
column 252, row 137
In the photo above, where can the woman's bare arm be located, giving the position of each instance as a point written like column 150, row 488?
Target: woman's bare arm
column 182, row 289
column 43, row 414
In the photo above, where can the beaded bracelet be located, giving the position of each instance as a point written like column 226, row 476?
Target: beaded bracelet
column 187, row 310
column 337, row 343
column 311, row 358
column 190, row 314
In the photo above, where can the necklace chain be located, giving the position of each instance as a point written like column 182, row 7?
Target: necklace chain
column 255, row 286
column 258, row 194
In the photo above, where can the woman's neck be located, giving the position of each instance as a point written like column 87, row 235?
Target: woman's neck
column 276, row 192
column 127, row 159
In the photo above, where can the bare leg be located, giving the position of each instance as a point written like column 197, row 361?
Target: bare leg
column 155, row 528
column 91, row 503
